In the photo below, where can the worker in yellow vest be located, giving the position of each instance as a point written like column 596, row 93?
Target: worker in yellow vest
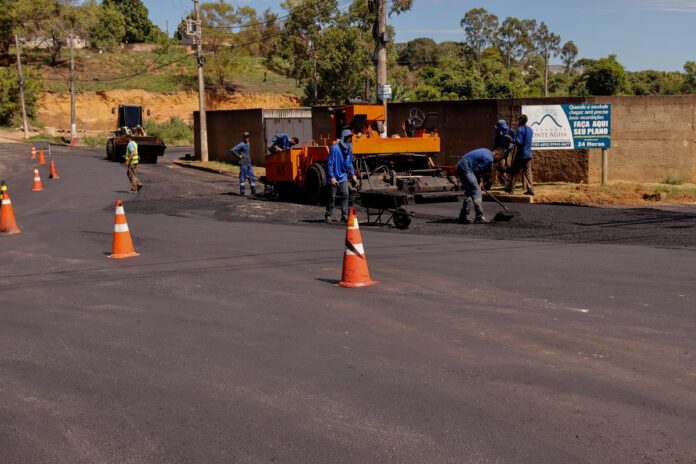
column 132, row 160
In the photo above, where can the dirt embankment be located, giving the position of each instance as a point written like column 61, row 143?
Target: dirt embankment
column 93, row 109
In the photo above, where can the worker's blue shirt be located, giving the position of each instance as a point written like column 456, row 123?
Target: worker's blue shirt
column 503, row 138
column 476, row 161
column 242, row 150
column 523, row 140
column 281, row 141
column 340, row 163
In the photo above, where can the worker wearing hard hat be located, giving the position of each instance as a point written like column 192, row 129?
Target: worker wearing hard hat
column 503, row 139
column 246, row 171
column 472, row 168
column 340, row 167
column 282, row 142
column 523, row 158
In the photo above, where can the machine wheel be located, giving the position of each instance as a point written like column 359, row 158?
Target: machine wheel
column 401, row 218
column 110, row 150
column 315, row 183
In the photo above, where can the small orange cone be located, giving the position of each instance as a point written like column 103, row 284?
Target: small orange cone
column 42, row 160
column 355, row 272
column 33, row 152
column 8, row 224
column 37, row 181
column 123, row 244
column 53, row 174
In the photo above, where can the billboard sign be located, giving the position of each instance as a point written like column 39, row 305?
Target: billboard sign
column 570, row 127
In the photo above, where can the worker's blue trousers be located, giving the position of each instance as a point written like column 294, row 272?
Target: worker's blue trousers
column 246, row 171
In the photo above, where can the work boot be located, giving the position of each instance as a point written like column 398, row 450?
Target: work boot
column 328, row 219
column 481, row 220
column 463, row 219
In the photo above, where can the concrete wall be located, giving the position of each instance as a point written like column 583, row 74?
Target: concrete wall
column 225, row 130
column 652, row 138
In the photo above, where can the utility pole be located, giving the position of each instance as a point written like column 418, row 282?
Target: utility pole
column 21, row 90
column 73, row 126
column 381, row 39
column 201, row 85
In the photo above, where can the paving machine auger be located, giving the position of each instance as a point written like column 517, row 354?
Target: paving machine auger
column 130, row 124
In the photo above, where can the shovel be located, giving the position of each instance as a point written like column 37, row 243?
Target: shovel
column 501, row 216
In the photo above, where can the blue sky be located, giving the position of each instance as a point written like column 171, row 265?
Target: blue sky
column 645, row 34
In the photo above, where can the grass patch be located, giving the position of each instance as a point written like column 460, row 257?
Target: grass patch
column 43, row 138
column 173, row 132
column 669, row 180
column 170, row 70
column 219, row 166
column 94, row 140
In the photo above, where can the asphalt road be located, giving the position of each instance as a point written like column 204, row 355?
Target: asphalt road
column 226, row 340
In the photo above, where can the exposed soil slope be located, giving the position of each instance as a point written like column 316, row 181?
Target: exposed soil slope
column 93, row 109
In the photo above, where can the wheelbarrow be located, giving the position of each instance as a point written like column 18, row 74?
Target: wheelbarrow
column 386, row 207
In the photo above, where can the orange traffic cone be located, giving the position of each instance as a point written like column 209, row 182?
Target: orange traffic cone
column 42, row 160
column 123, row 244
column 53, row 174
column 8, row 225
column 33, row 152
column 355, row 272
column 37, row 181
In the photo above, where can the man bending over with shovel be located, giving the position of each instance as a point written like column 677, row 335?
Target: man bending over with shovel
column 471, row 169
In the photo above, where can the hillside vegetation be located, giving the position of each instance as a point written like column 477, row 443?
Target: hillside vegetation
column 170, row 69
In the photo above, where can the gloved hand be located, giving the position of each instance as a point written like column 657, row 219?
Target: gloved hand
column 334, row 181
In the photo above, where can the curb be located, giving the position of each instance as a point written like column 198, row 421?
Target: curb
column 204, row 168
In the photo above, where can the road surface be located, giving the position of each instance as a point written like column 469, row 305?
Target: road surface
column 564, row 336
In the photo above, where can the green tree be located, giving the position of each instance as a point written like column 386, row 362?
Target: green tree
column 547, row 44
column 136, row 15
column 606, row 77
column 689, row 77
column 10, row 110
column 301, row 35
column 344, row 53
column 419, row 53
column 53, row 21
column 568, row 54
column 8, row 23
column 513, row 40
column 109, row 28
column 480, row 28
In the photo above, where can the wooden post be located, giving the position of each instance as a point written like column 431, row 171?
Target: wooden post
column 605, row 167
column 201, row 85
column 21, row 91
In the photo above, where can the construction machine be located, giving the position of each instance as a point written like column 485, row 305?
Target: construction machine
column 130, row 124
column 402, row 165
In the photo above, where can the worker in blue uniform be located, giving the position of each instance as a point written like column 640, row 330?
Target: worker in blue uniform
column 340, row 171
column 282, row 142
column 523, row 158
column 246, row 171
column 472, row 169
column 504, row 136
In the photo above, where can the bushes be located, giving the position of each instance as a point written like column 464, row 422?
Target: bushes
column 10, row 109
column 173, row 132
